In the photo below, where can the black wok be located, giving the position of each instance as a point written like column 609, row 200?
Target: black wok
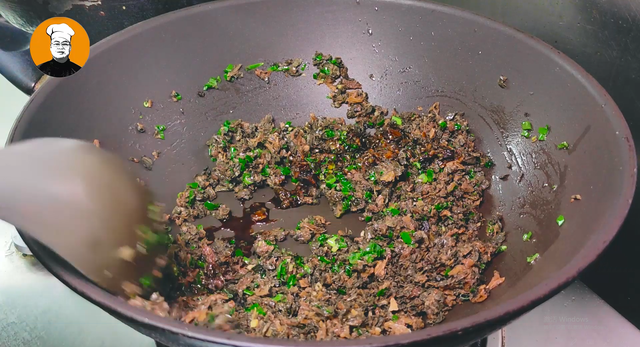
column 418, row 53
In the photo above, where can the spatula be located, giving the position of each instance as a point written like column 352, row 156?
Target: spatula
column 82, row 203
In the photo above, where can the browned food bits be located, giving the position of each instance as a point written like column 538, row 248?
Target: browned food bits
column 146, row 162
column 416, row 178
column 502, row 82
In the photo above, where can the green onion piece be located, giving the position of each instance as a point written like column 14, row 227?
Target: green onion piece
column 342, row 291
column 238, row 253
column 395, row 318
column 397, row 119
column 256, row 307
column 527, row 125
column 285, row 170
column 318, row 57
column 253, row 66
column 291, row 281
column 381, row 292
column 161, row 127
column 199, row 278
column 443, row 125
column 501, row 249
column 393, row 211
column 347, row 270
column 147, row 103
column 315, row 76
column 527, row 236
column 232, row 242
column 526, row 133
column 532, row 258
column 330, row 133
column 201, row 263
column 446, row 272
column 146, row 281
column 335, row 268
column 211, row 206
column 457, row 126
column 193, row 185
column 406, row 237
column 212, row 84
column 367, row 219
column 324, row 260
column 303, row 67
column 488, row 164
column 543, row 132
column 563, row 145
column 294, row 180
column 265, row 171
column 229, row 68
column 246, row 178
column 429, row 175
column 325, row 71
column 368, row 195
column 560, row 220
column 281, row 273
column 232, row 311
column 279, row 298
column 330, row 178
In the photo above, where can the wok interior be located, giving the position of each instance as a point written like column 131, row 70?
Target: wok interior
column 416, row 55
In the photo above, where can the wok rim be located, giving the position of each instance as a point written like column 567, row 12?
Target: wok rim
column 475, row 323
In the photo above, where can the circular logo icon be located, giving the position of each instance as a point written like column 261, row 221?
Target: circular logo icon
column 59, row 47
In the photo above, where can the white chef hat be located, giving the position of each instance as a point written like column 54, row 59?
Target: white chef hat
column 61, row 31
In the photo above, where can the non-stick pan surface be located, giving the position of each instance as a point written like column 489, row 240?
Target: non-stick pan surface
column 406, row 54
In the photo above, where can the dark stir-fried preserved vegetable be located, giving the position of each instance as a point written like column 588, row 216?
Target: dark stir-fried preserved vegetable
column 415, row 178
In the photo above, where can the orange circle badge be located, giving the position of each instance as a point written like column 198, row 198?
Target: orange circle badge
column 59, row 47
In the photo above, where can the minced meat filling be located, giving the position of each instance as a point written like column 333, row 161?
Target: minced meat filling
column 416, row 179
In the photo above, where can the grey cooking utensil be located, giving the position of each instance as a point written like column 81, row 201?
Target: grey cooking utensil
column 82, row 203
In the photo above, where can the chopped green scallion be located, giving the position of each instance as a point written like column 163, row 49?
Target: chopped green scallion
column 406, row 237
column 279, row 297
column 211, row 206
column 543, row 132
column 253, row 66
column 532, row 258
